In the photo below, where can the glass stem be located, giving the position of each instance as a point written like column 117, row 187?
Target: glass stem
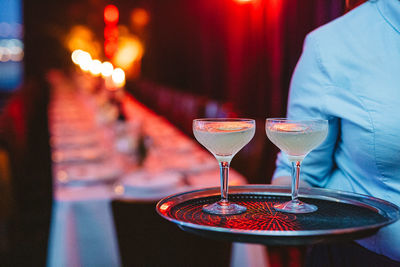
column 224, row 171
column 295, row 179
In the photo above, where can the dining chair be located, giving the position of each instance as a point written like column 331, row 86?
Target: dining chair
column 146, row 239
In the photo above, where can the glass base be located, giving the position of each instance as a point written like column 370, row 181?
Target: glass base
column 295, row 206
column 224, row 208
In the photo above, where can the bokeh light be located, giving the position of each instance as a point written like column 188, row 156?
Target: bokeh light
column 129, row 50
column 81, row 37
column 140, row 17
column 111, row 32
column 84, row 60
column 75, row 56
column 244, row 1
column 111, row 14
column 11, row 50
column 11, row 30
column 95, row 67
column 118, row 77
column 106, row 69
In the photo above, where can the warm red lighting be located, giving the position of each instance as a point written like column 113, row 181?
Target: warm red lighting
column 110, row 47
column 16, row 111
column 129, row 53
column 140, row 17
column 243, row 1
column 111, row 32
column 165, row 207
column 111, row 14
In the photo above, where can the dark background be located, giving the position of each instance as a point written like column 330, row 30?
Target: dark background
column 243, row 53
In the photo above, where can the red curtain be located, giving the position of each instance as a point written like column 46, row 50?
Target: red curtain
column 242, row 52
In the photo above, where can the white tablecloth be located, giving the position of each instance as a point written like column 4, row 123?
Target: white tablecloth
column 83, row 234
column 82, row 230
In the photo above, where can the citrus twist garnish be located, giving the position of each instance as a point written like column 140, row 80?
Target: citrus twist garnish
column 289, row 127
column 228, row 126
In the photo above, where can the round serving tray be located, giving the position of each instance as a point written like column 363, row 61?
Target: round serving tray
column 341, row 216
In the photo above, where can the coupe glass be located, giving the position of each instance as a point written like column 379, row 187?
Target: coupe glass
column 224, row 138
column 296, row 138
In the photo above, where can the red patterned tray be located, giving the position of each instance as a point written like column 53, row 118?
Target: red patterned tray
column 340, row 216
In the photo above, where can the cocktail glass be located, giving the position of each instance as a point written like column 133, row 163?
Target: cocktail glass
column 224, row 138
column 296, row 138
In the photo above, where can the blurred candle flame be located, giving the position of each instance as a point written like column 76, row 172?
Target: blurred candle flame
column 95, row 67
column 118, row 77
column 106, row 69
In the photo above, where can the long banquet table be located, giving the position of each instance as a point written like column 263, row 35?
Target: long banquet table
column 94, row 162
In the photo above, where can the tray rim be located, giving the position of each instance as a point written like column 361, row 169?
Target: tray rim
column 312, row 192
